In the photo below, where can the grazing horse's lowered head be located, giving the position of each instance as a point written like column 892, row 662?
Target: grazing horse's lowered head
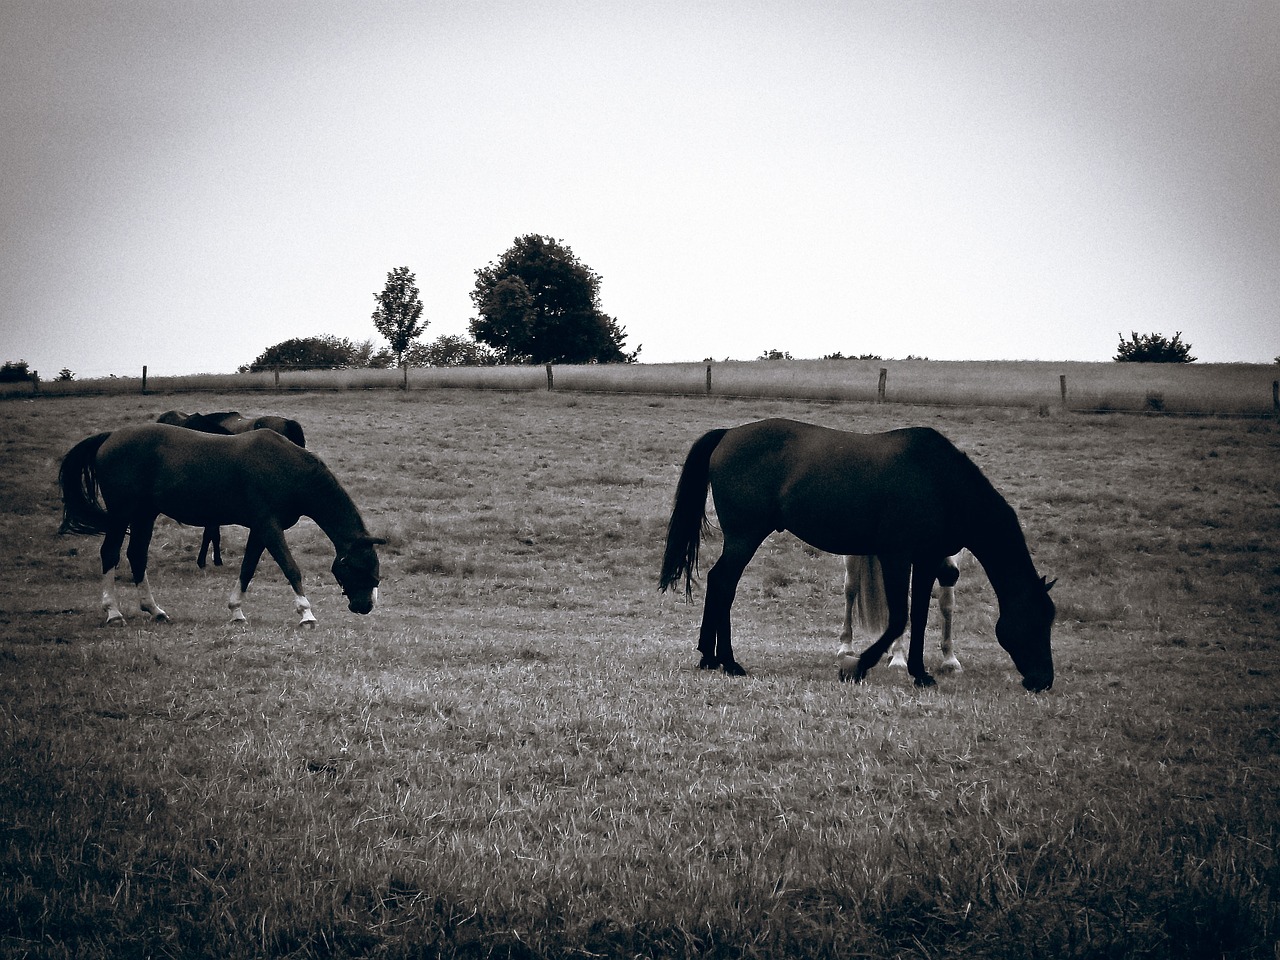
column 357, row 573
column 1023, row 631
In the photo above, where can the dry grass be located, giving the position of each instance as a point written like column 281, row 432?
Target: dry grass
column 515, row 756
column 1205, row 389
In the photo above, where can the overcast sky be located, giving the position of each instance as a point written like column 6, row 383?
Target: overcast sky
column 184, row 183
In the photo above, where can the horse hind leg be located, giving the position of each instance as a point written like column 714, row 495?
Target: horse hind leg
column 714, row 639
column 110, row 554
column 139, row 545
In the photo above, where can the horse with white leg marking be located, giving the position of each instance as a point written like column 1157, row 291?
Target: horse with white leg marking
column 228, row 424
column 908, row 497
column 864, row 599
column 257, row 480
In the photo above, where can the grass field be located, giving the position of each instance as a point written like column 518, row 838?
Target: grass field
column 515, row 756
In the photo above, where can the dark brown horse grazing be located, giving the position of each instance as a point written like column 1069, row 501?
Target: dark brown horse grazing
column 907, row 496
column 227, row 424
column 257, row 480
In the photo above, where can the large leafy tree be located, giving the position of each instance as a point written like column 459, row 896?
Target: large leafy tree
column 399, row 313
column 539, row 303
column 1153, row 348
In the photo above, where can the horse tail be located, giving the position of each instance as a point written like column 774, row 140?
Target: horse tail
column 81, row 510
column 864, row 578
column 689, row 514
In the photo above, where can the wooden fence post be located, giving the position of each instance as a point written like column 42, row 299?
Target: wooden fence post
column 1275, row 397
column 551, row 383
column 404, row 384
column 708, row 379
column 276, row 371
column 1062, row 389
column 144, row 378
column 884, row 375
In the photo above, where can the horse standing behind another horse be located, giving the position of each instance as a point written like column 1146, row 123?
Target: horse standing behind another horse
column 229, row 423
column 257, row 480
column 864, row 600
column 907, row 496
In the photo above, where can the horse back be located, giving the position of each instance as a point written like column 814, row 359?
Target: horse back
column 200, row 478
column 844, row 492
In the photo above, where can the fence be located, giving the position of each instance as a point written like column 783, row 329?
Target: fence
column 1211, row 389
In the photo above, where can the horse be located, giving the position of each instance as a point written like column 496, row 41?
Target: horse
column 864, row 594
column 120, row 481
column 229, row 423
column 909, row 497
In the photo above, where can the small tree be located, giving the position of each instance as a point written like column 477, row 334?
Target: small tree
column 775, row 355
column 399, row 311
column 1153, row 348
column 65, row 375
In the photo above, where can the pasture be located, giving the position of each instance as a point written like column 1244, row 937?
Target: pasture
column 514, row 755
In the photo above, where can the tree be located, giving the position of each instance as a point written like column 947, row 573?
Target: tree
column 1153, row 348
column 309, row 353
column 399, row 311
column 539, row 303
column 775, row 355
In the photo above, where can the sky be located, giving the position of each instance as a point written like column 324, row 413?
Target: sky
column 184, row 184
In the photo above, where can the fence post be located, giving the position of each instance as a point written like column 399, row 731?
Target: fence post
column 708, row 379
column 275, row 370
column 1062, row 389
column 404, row 384
column 884, row 375
column 1275, row 397
column 551, row 383
column 144, row 379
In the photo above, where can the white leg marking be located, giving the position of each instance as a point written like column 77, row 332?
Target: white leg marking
column 109, row 606
column 303, row 606
column 147, row 601
column 235, row 603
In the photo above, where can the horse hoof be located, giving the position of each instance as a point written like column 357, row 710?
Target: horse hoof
column 734, row 670
column 306, row 625
column 926, row 681
column 115, row 622
column 161, row 618
column 707, row 664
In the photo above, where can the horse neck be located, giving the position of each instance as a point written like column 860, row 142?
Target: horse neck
column 999, row 545
column 333, row 510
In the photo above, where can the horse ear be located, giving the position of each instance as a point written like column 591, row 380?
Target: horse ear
column 1048, row 584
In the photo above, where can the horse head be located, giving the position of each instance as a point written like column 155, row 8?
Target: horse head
column 1023, row 630
column 356, row 571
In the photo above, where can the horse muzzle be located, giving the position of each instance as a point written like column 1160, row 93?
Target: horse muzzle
column 364, row 603
column 1038, row 682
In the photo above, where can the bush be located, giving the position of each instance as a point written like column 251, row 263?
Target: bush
column 14, row 371
column 1153, row 348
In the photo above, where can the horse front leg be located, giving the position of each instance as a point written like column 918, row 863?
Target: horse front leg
column 850, row 598
column 273, row 539
column 946, row 607
column 139, row 545
column 922, row 580
column 896, row 573
column 248, row 567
